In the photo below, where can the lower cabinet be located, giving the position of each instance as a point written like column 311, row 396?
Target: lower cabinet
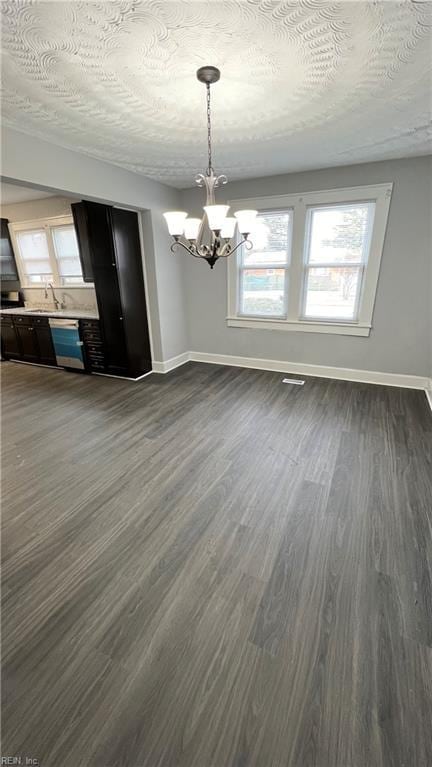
column 28, row 339
column 28, row 342
column 45, row 345
column 9, row 341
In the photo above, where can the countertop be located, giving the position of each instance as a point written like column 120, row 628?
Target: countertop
column 73, row 314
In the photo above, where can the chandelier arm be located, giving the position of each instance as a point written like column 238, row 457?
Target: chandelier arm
column 205, row 251
column 226, row 250
column 189, row 250
column 196, row 252
column 229, row 251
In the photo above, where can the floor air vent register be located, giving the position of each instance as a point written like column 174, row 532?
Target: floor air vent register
column 295, row 381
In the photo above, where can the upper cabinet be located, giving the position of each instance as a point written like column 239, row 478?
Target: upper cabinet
column 8, row 269
column 79, row 212
column 110, row 252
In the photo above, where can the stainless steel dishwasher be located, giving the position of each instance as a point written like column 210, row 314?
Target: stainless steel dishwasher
column 67, row 343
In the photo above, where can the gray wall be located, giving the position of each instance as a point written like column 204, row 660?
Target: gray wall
column 187, row 301
column 36, row 163
column 400, row 340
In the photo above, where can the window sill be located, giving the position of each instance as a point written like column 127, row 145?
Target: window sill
column 302, row 326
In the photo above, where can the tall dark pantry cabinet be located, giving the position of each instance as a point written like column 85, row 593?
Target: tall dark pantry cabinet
column 109, row 244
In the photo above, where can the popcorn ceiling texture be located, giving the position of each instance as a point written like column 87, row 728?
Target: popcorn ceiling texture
column 304, row 84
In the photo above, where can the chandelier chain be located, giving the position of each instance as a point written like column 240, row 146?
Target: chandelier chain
column 209, row 145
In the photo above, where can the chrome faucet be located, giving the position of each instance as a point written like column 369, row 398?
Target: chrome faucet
column 56, row 302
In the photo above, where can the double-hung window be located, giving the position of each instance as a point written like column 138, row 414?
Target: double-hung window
column 314, row 264
column 263, row 270
column 67, row 255
column 337, row 248
column 47, row 251
column 34, row 257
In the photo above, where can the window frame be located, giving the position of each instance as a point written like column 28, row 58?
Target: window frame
column 360, row 265
column 45, row 224
column 380, row 195
column 24, row 277
column 242, row 267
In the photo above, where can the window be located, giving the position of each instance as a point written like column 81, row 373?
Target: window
column 337, row 251
column 314, row 264
column 47, row 251
column 35, row 258
column 67, row 255
column 263, row 271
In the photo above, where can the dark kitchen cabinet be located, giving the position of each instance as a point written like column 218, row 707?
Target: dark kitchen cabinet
column 9, row 340
column 79, row 213
column 111, row 319
column 8, row 269
column 131, row 284
column 45, row 345
column 27, row 338
column 28, row 343
column 110, row 240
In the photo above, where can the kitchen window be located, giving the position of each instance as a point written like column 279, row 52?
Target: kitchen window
column 34, row 256
column 67, row 255
column 314, row 264
column 47, row 251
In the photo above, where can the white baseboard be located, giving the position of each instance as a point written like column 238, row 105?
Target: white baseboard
column 123, row 378
column 321, row 371
column 301, row 368
column 171, row 364
column 278, row 366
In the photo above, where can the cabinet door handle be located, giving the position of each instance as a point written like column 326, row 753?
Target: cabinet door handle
column 31, row 328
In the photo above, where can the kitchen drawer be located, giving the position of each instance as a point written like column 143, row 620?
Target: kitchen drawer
column 40, row 321
column 96, row 357
column 91, row 336
column 6, row 319
column 98, row 367
column 89, row 324
column 21, row 320
column 94, row 348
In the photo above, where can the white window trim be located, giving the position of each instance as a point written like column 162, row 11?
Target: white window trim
column 380, row 194
column 45, row 224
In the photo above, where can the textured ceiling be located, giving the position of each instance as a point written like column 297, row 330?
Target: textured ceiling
column 304, row 84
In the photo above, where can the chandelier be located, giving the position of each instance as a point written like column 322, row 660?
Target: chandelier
column 218, row 239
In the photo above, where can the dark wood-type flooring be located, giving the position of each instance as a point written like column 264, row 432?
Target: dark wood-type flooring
column 214, row 569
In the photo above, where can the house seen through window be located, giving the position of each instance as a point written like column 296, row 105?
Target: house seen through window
column 264, row 269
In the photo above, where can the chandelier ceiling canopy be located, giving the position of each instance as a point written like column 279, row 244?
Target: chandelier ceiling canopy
column 213, row 236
